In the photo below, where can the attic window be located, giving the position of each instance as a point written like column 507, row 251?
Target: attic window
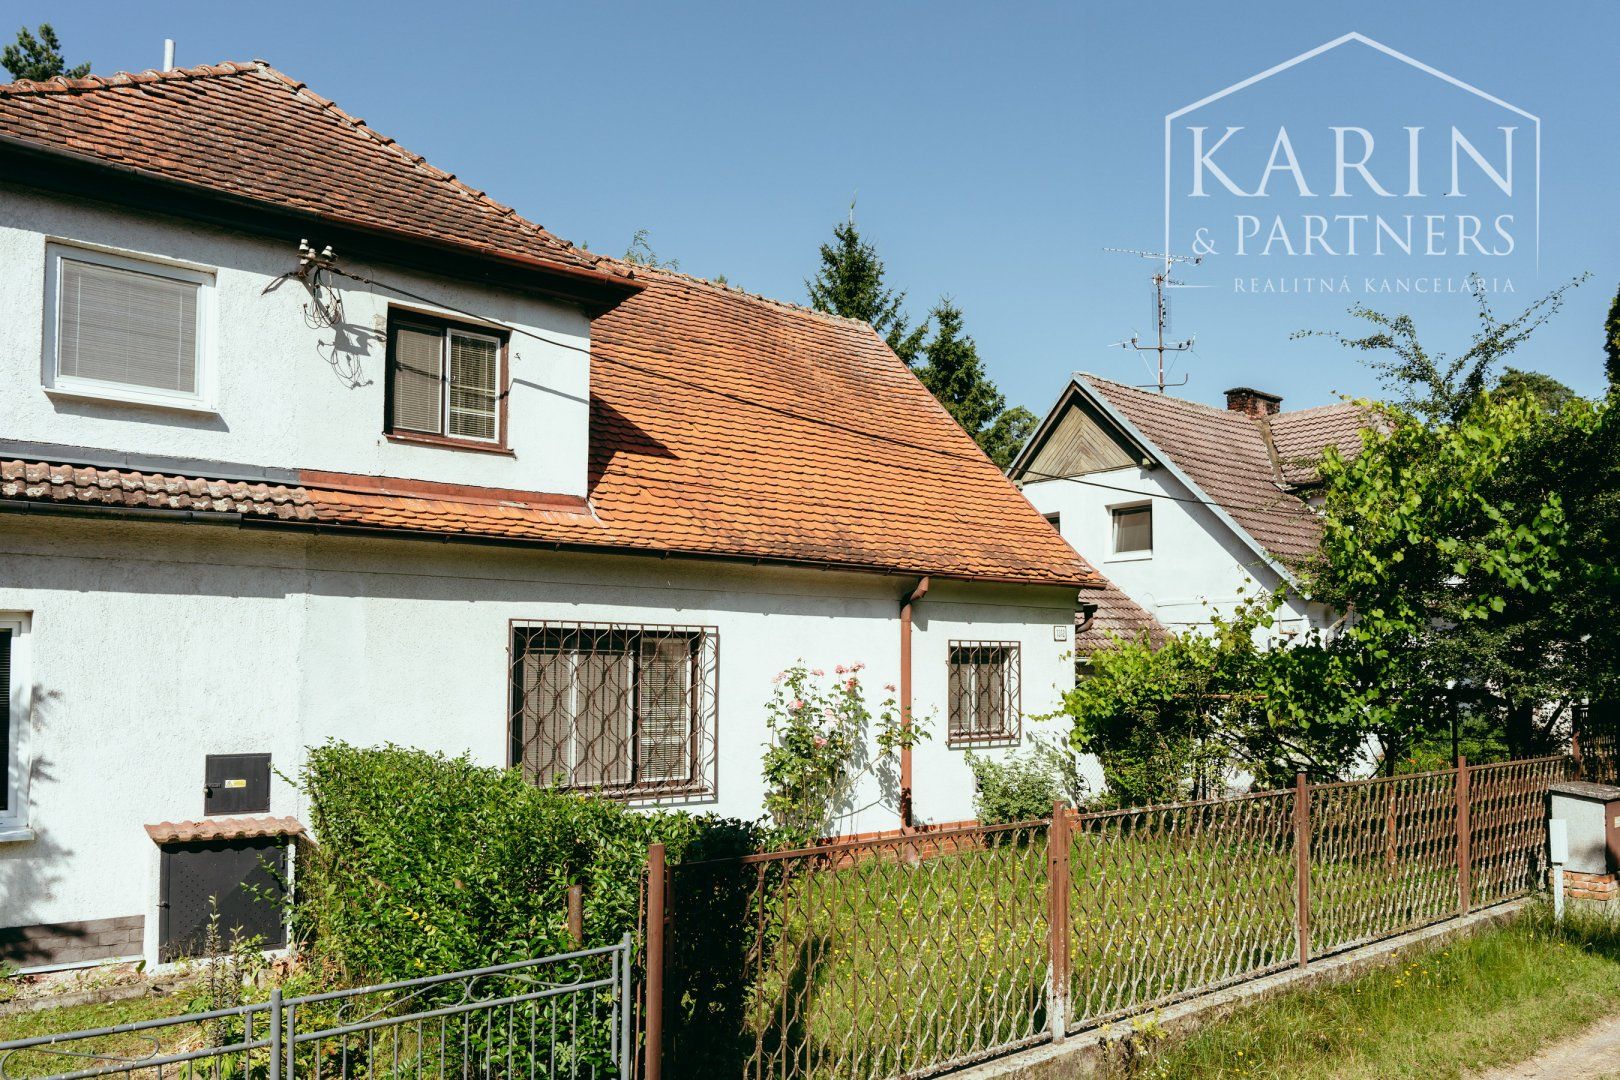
column 445, row 381
column 126, row 329
column 1133, row 529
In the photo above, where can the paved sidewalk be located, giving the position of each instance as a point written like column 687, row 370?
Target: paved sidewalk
column 1593, row 1053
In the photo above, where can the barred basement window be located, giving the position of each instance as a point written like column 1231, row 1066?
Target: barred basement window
column 444, row 380
column 627, row 709
column 984, row 693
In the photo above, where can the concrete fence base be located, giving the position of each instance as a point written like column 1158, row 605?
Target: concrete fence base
column 1082, row 1052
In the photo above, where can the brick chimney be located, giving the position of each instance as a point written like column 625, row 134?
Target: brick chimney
column 1256, row 403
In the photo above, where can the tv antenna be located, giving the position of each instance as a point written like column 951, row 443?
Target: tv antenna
column 1161, row 310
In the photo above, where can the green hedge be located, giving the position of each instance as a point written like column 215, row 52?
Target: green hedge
column 426, row 864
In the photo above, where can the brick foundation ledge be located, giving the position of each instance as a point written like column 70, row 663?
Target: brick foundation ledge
column 1582, row 886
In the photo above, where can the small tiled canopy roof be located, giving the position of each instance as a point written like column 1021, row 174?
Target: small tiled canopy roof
column 223, row 828
column 1117, row 618
column 1245, row 469
column 722, row 424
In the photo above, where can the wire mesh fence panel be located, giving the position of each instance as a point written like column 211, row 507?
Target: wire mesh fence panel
column 1383, row 858
column 1171, row 900
column 558, row 1018
column 1508, row 825
column 864, row 960
column 212, row 1045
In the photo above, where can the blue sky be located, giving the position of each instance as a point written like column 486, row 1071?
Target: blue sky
column 997, row 150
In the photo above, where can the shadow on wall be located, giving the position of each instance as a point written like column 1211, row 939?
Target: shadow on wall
column 30, row 870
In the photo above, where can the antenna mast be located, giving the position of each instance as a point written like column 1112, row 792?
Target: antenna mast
column 1161, row 309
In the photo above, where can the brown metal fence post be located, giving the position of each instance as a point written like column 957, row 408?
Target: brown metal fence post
column 1465, row 854
column 1057, row 921
column 576, row 915
column 1302, row 866
column 657, row 879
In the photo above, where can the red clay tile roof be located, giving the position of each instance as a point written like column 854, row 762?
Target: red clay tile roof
column 1225, row 453
column 1118, row 618
column 223, row 828
column 722, row 423
column 251, row 131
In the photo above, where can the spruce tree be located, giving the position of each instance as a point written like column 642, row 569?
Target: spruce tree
column 850, row 283
column 1611, row 342
column 955, row 375
column 38, row 58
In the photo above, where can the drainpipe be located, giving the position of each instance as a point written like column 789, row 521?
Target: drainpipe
column 905, row 698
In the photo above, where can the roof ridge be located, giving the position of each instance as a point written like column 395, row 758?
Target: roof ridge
column 61, row 84
column 1212, row 409
column 299, row 88
column 643, row 270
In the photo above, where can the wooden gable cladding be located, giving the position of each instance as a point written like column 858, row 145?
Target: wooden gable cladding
column 1080, row 439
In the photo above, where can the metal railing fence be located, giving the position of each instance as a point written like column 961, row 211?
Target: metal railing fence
column 565, row 1016
column 908, row 955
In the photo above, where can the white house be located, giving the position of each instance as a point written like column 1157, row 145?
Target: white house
column 1185, row 507
column 452, row 483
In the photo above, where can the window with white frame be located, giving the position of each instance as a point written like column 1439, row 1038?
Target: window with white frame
column 983, row 693
column 125, row 328
column 625, row 709
column 444, row 379
column 14, row 717
column 1133, row 529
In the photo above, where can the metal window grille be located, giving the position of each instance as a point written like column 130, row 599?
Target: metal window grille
column 626, row 709
column 985, row 700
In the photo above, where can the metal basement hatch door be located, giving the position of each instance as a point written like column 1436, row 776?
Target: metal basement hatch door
column 243, row 876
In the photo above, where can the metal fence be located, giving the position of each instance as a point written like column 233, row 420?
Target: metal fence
column 565, row 1016
column 907, row 955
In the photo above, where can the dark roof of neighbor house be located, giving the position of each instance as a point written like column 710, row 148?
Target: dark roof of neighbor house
column 722, row 424
column 1117, row 618
column 1250, row 467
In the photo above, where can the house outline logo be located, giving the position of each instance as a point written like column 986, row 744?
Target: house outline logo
column 1378, row 46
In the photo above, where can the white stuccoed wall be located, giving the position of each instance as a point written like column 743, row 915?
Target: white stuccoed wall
column 279, row 402
column 156, row 644
column 1199, row 564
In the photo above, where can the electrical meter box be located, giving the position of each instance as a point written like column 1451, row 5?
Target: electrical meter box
column 1592, row 815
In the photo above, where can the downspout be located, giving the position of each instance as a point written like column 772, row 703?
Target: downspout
column 905, row 698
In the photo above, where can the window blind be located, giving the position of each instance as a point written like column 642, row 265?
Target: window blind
column 664, row 733
column 474, row 362
column 1133, row 529
column 418, row 379
column 121, row 326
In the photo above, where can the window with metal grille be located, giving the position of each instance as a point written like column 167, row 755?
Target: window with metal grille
column 444, row 379
column 984, row 693
column 1133, row 530
column 621, row 708
column 126, row 328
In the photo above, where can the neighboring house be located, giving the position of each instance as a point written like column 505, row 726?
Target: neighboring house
column 462, row 486
column 1187, row 508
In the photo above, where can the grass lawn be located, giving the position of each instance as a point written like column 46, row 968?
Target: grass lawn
column 888, row 965
column 1492, row 999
